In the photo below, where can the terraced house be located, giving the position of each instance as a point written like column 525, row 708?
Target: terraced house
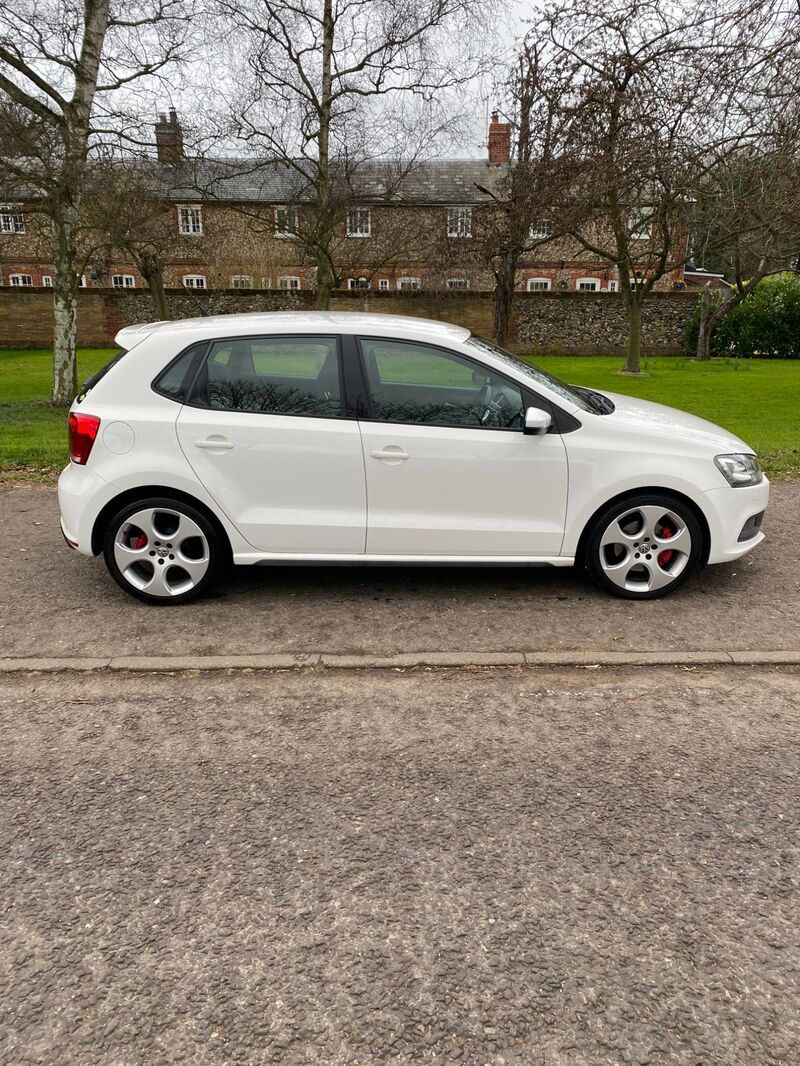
column 397, row 225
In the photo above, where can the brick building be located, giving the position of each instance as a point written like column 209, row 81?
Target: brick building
column 234, row 225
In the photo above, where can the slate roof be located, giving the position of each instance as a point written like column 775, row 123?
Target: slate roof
column 439, row 181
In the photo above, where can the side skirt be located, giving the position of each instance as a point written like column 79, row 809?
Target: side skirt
column 248, row 559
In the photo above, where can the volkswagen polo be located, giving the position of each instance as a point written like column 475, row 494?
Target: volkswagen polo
column 317, row 437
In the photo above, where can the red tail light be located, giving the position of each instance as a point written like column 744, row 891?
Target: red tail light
column 82, row 432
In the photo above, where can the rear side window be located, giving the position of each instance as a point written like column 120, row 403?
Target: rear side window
column 273, row 375
column 176, row 381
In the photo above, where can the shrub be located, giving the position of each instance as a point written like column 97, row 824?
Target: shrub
column 765, row 325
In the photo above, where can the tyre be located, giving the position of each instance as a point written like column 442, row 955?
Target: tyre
column 643, row 547
column 162, row 551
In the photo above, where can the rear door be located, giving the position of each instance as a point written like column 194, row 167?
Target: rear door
column 449, row 469
column 266, row 434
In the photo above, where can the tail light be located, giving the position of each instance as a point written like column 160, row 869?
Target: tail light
column 82, row 433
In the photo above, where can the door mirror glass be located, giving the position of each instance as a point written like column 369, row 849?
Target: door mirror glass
column 537, row 421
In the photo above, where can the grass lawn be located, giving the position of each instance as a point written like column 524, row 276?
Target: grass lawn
column 757, row 400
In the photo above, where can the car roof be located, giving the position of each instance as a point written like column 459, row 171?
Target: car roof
column 189, row 329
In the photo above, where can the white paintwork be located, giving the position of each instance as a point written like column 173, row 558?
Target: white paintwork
column 309, row 489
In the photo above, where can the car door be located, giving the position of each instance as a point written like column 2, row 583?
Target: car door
column 265, row 433
column 449, row 469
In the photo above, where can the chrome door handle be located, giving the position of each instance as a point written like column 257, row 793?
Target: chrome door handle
column 210, row 443
column 392, row 455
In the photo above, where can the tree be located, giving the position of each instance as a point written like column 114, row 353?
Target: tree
column 68, row 68
column 336, row 87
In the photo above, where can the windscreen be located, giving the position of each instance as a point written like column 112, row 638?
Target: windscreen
column 534, row 373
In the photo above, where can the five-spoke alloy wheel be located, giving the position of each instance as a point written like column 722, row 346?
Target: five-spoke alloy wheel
column 643, row 547
column 161, row 550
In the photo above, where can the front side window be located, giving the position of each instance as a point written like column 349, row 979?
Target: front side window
column 534, row 374
column 459, row 222
column 274, row 375
column 21, row 279
column 359, row 222
column 286, row 221
column 11, row 219
column 194, row 281
column 426, row 386
column 123, row 281
column 190, row 221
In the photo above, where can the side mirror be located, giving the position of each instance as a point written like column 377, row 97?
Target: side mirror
column 536, row 421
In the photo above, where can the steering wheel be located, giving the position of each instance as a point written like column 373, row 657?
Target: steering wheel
column 492, row 401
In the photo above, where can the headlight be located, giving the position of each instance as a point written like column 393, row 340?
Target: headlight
column 739, row 470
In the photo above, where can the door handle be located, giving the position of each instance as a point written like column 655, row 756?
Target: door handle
column 392, row 454
column 218, row 444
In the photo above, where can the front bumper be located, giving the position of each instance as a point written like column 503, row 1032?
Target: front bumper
column 728, row 511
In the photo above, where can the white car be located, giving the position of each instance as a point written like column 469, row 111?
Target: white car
column 357, row 438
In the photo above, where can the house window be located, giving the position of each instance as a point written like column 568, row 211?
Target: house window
column 459, row 222
column 404, row 284
column 194, row 281
column 358, row 222
column 639, row 223
column 538, row 284
column 286, row 221
column 82, row 281
column 383, row 284
column 637, row 282
column 587, row 285
column 20, row 279
column 266, row 283
column 241, row 281
column 11, row 219
column 289, row 283
column 190, row 221
column 47, row 281
column 123, row 281
column 457, row 283
column 357, row 283
column 613, row 286
column 540, row 227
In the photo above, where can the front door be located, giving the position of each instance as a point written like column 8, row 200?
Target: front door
column 449, row 469
column 266, row 436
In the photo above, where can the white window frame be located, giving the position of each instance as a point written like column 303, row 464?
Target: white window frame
column 595, row 284
column 459, row 222
column 383, row 284
column 539, row 284
column 194, row 281
column 241, row 281
column 123, row 281
column 640, row 223
column 47, row 281
column 287, row 221
column 353, row 284
column 11, row 220
column 17, row 281
column 82, row 282
column 457, row 284
column 284, row 282
column 540, row 228
column 190, row 220
column 359, row 222
column 613, row 286
column 413, row 285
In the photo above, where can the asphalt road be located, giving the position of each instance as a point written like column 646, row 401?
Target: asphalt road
column 56, row 603
column 583, row 868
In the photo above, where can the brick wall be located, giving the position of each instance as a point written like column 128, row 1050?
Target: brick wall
column 546, row 322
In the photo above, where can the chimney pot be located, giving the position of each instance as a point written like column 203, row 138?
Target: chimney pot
column 169, row 138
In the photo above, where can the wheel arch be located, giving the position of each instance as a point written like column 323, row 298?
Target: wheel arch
column 647, row 490
column 143, row 492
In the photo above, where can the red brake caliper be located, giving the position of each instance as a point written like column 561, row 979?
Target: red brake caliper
column 665, row 557
column 139, row 542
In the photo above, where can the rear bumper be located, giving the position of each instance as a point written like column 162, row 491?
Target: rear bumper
column 729, row 511
column 81, row 497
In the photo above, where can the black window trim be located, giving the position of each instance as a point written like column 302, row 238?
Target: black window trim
column 190, row 376
column 193, row 400
column 562, row 422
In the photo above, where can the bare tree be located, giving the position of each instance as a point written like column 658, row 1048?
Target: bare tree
column 70, row 69
column 336, row 85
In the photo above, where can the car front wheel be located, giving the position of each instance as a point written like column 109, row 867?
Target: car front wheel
column 644, row 547
column 161, row 551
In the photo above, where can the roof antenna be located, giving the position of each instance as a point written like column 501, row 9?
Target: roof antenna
column 190, row 292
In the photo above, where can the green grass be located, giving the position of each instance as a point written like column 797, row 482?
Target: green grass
column 757, row 400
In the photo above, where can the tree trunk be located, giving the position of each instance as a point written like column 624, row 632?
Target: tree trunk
column 325, row 283
column 633, row 360
column 704, row 333
column 65, row 307
column 154, row 276
column 504, row 298
column 325, row 224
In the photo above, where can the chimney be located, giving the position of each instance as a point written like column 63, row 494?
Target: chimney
column 169, row 138
column 499, row 141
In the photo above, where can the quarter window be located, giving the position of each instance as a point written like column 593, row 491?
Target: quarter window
column 359, row 222
column 459, row 222
column 190, row 221
column 278, row 376
column 426, row 386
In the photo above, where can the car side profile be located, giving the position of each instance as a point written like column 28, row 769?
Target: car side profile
column 295, row 437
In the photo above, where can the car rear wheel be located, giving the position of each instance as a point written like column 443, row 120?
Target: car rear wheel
column 644, row 547
column 162, row 551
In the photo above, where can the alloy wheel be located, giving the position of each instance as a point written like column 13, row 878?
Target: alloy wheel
column 161, row 552
column 645, row 549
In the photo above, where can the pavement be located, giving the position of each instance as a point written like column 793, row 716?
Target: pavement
column 582, row 867
column 56, row 604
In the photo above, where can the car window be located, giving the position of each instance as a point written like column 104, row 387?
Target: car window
column 416, row 383
column 281, row 375
column 175, row 382
column 535, row 373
